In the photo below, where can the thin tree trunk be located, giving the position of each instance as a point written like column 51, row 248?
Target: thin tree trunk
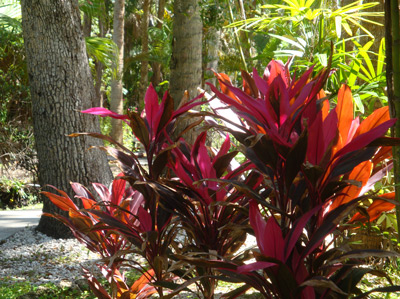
column 99, row 70
column 61, row 85
column 212, row 45
column 144, row 69
column 156, row 66
column 87, row 25
column 116, row 102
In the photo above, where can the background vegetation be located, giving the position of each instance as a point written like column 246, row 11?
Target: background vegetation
column 236, row 35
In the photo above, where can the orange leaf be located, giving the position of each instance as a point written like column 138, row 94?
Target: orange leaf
column 378, row 117
column 344, row 110
column 376, row 208
column 224, row 78
column 142, row 281
column 62, row 202
column 89, row 203
column 360, row 173
column 325, row 109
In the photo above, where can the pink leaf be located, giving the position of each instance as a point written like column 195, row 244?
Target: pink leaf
column 224, row 147
column 260, row 83
column 103, row 112
column 268, row 235
column 254, row 267
column 102, row 191
column 151, row 107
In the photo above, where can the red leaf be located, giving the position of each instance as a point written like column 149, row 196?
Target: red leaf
column 81, row 191
column 315, row 147
column 297, row 230
column 145, row 220
column 260, row 83
column 118, row 190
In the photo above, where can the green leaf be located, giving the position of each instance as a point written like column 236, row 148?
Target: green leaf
column 358, row 102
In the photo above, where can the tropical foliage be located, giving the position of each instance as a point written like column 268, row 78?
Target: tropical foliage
column 308, row 166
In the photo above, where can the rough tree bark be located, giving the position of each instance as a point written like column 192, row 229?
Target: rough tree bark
column 116, row 103
column 61, row 85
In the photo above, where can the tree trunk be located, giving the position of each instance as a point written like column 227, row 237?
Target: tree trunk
column 144, row 69
column 212, row 45
column 186, row 50
column 186, row 61
column 61, row 85
column 156, row 66
column 116, row 103
column 87, row 25
column 392, row 13
column 98, row 66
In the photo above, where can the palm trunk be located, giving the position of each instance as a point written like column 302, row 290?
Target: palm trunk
column 99, row 70
column 186, row 61
column 144, row 69
column 156, row 78
column 116, row 104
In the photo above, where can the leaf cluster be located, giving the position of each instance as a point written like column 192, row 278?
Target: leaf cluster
column 308, row 167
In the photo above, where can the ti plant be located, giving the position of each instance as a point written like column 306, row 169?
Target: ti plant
column 308, row 167
column 317, row 164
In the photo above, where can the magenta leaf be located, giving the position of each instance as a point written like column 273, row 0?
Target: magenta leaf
column 268, row 234
column 254, row 267
column 152, row 109
column 103, row 112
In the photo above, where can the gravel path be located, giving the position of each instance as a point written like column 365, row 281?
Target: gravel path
column 30, row 255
